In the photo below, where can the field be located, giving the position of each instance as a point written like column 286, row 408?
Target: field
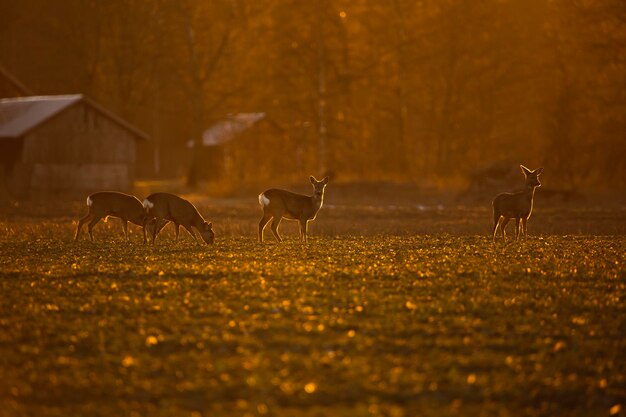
column 394, row 310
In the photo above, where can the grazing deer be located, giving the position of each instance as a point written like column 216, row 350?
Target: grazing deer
column 518, row 205
column 279, row 204
column 163, row 208
column 111, row 203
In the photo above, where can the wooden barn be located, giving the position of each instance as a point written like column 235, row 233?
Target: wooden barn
column 67, row 143
column 235, row 148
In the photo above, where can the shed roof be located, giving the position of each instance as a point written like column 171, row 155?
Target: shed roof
column 227, row 129
column 18, row 116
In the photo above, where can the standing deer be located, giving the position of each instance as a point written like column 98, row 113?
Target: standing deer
column 111, row 203
column 163, row 208
column 278, row 204
column 518, row 205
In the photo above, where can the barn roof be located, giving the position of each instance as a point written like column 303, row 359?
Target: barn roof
column 227, row 129
column 18, row 116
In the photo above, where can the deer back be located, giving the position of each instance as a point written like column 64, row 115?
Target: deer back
column 113, row 203
column 292, row 205
column 174, row 208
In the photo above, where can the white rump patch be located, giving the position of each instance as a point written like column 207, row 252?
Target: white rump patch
column 264, row 201
column 89, row 201
column 147, row 204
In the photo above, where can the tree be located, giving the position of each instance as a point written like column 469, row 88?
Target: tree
column 204, row 33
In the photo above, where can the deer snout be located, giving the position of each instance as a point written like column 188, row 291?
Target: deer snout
column 208, row 237
column 207, row 233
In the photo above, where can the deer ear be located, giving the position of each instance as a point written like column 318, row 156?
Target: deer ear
column 312, row 179
column 525, row 170
column 325, row 180
column 538, row 171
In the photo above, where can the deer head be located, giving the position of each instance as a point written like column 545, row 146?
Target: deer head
column 532, row 179
column 318, row 186
column 206, row 233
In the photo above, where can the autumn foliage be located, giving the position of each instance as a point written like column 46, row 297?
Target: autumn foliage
column 395, row 90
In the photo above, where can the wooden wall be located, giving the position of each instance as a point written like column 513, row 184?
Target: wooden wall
column 79, row 149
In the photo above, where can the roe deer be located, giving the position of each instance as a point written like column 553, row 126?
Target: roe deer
column 163, row 208
column 278, row 204
column 518, row 205
column 111, row 203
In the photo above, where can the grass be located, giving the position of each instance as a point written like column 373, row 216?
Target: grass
column 430, row 325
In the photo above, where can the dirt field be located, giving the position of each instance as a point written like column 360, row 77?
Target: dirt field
column 396, row 309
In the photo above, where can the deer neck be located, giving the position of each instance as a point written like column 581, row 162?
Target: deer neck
column 318, row 200
column 197, row 221
column 529, row 194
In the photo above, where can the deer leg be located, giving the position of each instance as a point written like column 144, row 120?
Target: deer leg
column 524, row 221
column 150, row 227
column 177, row 228
column 143, row 229
column 125, row 227
column 153, row 228
column 496, row 221
column 266, row 218
column 82, row 221
column 517, row 228
column 145, row 221
column 191, row 232
column 159, row 224
column 503, row 223
column 91, row 224
column 162, row 225
column 306, row 230
column 157, row 228
column 304, row 225
column 274, row 227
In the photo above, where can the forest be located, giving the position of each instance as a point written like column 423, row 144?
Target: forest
column 421, row 91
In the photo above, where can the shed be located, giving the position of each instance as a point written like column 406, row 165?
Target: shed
column 65, row 143
column 228, row 129
column 233, row 148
